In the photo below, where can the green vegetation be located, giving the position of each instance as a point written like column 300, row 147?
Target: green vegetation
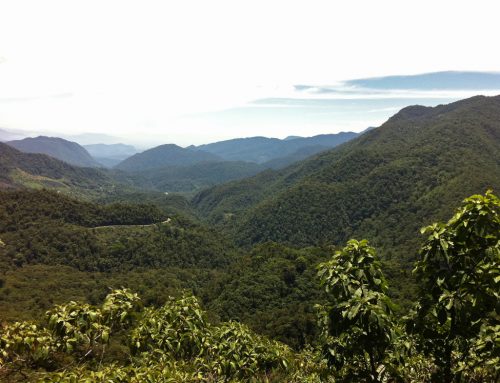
column 413, row 169
column 28, row 170
column 357, row 324
column 382, row 186
column 361, row 339
column 48, row 228
column 165, row 155
column 188, row 179
column 119, row 341
column 273, row 289
column 76, row 250
column 459, row 273
column 171, row 204
column 260, row 279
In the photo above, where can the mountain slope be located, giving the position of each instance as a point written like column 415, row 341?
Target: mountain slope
column 382, row 186
column 190, row 178
column 18, row 169
column 165, row 155
column 263, row 149
column 57, row 243
column 300, row 154
column 63, row 150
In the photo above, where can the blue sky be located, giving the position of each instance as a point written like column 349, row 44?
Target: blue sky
column 352, row 105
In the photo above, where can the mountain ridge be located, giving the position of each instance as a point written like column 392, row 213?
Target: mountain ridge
column 411, row 169
column 35, row 170
column 261, row 149
column 64, row 150
column 165, row 155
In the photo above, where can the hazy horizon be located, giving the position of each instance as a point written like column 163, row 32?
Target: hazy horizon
column 359, row 107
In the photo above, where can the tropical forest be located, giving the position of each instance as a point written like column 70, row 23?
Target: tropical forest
column 249, row 192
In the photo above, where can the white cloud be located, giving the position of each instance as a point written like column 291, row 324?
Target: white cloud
column 136, row 67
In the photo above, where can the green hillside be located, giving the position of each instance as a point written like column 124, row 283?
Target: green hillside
column 77, row 250
column 49, row 228
column 338, row 311
column 191, row 178
column 31, row 170
column 412, row 169
column 50, row 234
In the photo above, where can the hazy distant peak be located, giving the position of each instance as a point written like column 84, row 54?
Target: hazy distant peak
column 56, row 147
column 165, row 155
column 263, row 149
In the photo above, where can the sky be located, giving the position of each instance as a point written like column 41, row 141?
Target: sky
column 192, row 72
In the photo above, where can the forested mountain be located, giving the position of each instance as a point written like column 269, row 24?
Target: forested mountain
column 170, row 167
column 69, row 243
column 66, row 231
column 165, row 155
column 64, row 150
column 298, row 155
column 412, row 169
column 18, row 169
column 263, row 149
column 190, row 178
column 110, row 154
column 336, row 314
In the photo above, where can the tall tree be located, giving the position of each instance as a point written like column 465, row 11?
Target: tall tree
column 459, row 276
column 356, row 322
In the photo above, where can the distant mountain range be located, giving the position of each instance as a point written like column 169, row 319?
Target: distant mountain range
column 56, row 147
column 269, row 152
column 172, row 168
column 175, row 169
column 298, row 155
column 92, row 138
column 263, row 149
column 165, row 155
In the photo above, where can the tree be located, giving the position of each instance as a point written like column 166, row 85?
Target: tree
column 459, row 276
column 357, row 326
